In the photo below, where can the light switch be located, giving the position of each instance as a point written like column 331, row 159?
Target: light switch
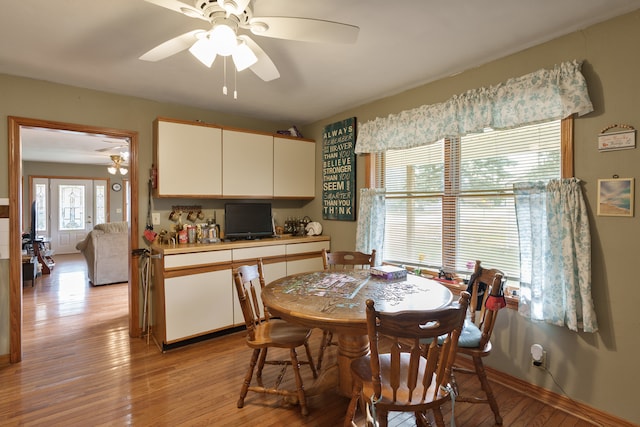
column 155, row 218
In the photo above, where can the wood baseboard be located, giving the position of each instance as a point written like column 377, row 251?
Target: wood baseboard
column 5, row 359
column 558, row 401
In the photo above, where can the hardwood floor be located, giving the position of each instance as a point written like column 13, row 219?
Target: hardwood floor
column 81, row 368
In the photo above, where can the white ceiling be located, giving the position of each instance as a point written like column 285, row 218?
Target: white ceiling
column 401, row 44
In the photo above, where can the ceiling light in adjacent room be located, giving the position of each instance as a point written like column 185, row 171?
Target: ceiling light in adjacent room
column 117, row 165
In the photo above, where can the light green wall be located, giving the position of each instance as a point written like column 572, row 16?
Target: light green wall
column 597, row 369
column 589, row 367
column 22, row 97
column 60, row 170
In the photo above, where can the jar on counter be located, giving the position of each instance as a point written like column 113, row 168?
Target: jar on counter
column 191, row 234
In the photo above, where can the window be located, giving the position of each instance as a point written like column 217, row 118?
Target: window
column 452, row 202
column 40, row 190
column 71, row 205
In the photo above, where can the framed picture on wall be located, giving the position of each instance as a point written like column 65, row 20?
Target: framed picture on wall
column 615, row 197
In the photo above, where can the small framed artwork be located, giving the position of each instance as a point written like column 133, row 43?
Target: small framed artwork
column 615, row 197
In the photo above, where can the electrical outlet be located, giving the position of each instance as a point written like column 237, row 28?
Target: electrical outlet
column 538, row 356
column 541, row 363
column 155, row 218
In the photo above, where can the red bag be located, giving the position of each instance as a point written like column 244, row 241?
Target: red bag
column 496, row 302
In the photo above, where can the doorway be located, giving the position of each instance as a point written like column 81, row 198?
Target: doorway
column 15, row 221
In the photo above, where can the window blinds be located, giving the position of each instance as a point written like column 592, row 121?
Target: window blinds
column 451, row 203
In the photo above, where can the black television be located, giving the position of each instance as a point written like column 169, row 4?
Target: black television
column 32, row 226
column 247, row 221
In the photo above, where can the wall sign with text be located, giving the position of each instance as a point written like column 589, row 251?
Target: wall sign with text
column 339, row 170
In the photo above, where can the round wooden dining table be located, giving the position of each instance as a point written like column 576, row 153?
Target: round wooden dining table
column 336, row 301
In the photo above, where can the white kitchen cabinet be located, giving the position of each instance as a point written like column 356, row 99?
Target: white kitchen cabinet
column 294, row 168
column 197, row 304
column 188, row 158
column 275, row 267
column 193, row 292
column 298, row 260
column 247, row 159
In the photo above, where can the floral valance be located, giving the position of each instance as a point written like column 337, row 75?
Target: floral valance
column 539, row 96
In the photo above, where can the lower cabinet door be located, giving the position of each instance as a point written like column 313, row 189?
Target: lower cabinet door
column 197, row 304
column 304, row 265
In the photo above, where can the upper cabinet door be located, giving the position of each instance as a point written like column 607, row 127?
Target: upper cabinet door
column 248, row 164
column 294, row 168
column 188, row 159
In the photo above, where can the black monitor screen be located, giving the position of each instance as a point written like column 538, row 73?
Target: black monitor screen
column 247, row 220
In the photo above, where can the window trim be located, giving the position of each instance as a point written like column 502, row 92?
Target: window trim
column 566, row 171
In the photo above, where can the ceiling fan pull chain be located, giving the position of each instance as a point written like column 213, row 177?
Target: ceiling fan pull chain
column 235, row 83
column 224, row 68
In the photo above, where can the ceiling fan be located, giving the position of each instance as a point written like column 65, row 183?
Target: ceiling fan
column 228, row 18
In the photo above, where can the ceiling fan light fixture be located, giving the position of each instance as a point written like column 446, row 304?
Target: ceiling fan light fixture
column 116, row 166
column 224, row 39
column 243, row 57
column 204, row 49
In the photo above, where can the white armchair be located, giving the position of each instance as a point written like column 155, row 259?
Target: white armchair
column 106, row 249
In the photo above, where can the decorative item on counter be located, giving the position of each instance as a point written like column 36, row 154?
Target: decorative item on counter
column 191, row 234
column 287, row 226
column 300, row 229
column 214, row 230
column 305, row 221
column 182, row 236
column 314, row 229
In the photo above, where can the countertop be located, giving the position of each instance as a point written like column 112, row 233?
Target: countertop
column 170, row 249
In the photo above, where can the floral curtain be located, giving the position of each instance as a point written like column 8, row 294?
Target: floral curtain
column 546, row 94
column 370, row 227
column 555, row 254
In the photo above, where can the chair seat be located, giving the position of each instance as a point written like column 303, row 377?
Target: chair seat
column 362, row 369
column 278, row 333
column 470, row 335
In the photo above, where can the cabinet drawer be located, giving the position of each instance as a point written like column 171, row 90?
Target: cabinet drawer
column 260, row 252
column 300, row 248
column 196, row 258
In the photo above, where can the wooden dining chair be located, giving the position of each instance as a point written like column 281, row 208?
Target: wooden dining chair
column 486, row 286
column 264, row 333
column 342, row 260
column 406, row 377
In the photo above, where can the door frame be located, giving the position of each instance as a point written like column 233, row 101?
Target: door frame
column 15, row 219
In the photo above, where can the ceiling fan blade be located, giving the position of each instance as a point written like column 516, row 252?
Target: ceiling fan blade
column 178, row 6
column 303, row 29
column 117, row 147
column 264, row 67
column 171, row 47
